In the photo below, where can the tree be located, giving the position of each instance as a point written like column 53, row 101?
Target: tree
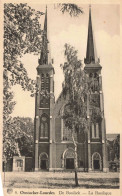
column 18, row 137
column 25, row 141
column 72, row 9
column 75, row 89
column 22, row 34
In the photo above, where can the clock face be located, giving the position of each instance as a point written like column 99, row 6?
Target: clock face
column 44, row 118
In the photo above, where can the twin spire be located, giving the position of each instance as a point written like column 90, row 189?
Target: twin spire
column 90, row 52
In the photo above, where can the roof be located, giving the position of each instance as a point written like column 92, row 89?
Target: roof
column 111, row 136
column 93, row 66
column 45, row 57
column 91, row 59
column 90, row 44
column 45, row 67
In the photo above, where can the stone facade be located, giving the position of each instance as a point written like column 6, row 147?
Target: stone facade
column 54, row 149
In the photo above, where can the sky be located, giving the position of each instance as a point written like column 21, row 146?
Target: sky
column 73, row 30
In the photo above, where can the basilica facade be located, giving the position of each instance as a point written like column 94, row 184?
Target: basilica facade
column 53, row 146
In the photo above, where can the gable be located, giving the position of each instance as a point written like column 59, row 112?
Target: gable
column 59, row 104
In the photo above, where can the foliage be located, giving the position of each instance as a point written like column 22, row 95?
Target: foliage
column 113, row 147
column 76, row 90
column 14, row 128
column 17, row 137
column 72, row 9
column 25, row 142
column 76, row 87
column 116, row 146
column 22, row 34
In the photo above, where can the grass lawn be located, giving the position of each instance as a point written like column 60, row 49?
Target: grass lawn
column 60, row 180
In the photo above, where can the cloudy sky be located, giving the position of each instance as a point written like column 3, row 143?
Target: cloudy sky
column 65, row 29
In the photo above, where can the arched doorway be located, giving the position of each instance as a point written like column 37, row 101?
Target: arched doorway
column 43, row 161
column 68, row 158
column 96, row 161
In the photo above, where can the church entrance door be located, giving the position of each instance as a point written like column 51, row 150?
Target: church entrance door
column 96, row 165
column 69, row 163
column 43, row 161
column 96, row 161
column 43, row 164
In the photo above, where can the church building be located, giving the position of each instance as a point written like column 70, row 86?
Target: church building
column 53, row 146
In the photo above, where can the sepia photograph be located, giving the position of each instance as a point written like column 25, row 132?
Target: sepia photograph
column 61, row 98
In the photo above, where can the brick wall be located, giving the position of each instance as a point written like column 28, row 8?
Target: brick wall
column 44, row 148
column 58, row 129
column 96, row 148
column 28, row 163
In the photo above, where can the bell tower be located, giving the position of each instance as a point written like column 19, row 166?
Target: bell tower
column 97, row 159
column 44, row 104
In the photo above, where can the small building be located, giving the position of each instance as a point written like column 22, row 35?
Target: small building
column 18, row 163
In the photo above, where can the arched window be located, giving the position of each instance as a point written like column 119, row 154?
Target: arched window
column 42, row 130
column 44, row 127
column 94, row 79
column 95, row 130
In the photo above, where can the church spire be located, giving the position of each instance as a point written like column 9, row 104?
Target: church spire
column 44, row 52
column 90, row 56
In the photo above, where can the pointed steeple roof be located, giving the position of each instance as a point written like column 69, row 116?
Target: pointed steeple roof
column 91, row 59
column 44, row 52
column 45, row 57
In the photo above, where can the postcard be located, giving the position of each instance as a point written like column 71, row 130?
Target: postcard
column 61, row 98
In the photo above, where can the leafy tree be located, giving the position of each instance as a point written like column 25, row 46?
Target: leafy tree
column 114, row 148
column 76, row 88
column 22, row 34
column 72, row 9
column 18, row 137
column 25, row 142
